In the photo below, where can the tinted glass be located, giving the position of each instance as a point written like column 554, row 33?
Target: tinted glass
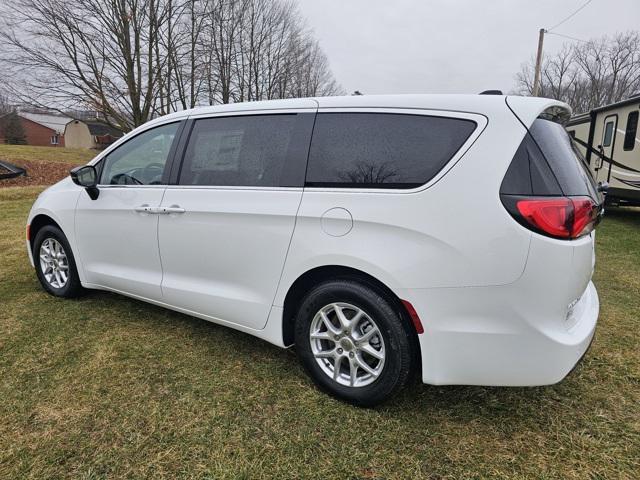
column 529, row 173
column 382, row 150
column 563, row 158
column 630, row 132
column 608, row 134
column 238, row 151
column 141, row 160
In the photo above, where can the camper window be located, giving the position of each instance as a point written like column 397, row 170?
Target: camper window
column 608, row 134
column 632, row 129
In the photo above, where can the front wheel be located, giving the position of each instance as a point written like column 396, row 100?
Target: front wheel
column 353, row 343
column 55, row 264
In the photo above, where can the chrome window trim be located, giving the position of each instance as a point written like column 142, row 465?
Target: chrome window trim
column 222, row 187
column 240, row 113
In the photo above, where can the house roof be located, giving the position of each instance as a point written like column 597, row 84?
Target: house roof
column 53, row 122
column 99, row 129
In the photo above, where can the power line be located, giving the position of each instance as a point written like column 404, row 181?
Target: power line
column 567, row 36
column 536, row 80
column 570, row 16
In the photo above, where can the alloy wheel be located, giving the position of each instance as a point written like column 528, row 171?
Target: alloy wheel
column 347, row 344
column 54, row 263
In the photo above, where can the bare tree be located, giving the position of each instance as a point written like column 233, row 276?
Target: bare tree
column 132, row 60
column 5, row 106
column 589, row 74
column 95, row 54
column 370, row 173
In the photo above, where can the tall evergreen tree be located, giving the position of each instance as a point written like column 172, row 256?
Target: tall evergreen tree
column 13, row 131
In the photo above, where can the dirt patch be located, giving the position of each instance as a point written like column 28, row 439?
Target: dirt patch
column 38, row 173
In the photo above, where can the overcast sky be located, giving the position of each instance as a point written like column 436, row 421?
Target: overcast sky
column 449, row 46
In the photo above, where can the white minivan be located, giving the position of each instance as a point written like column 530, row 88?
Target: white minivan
column 445, row 235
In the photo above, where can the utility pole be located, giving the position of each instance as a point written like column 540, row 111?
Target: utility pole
column 536, row 79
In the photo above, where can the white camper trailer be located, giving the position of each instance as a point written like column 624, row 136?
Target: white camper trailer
column 609, row 139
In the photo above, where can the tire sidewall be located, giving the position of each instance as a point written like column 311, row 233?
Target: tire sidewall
column 71, row 288
column 397, row 345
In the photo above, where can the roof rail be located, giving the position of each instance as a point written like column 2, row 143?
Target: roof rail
column 492, row 92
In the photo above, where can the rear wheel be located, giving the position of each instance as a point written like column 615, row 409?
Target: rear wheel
column 55, row 264
column 352, row 342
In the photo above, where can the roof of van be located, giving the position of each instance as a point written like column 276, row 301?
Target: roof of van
column 455, row 102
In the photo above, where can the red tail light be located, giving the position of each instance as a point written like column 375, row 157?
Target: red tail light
column 558, row 217
column 414, row 316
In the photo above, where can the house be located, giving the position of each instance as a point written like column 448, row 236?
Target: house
column 90, row 134
column 43, row 129
column 49, row 130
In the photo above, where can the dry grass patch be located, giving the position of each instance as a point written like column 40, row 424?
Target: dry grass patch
column 44, row 165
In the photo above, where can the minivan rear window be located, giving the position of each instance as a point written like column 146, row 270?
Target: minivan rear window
column 382, row 150
column 564, row 159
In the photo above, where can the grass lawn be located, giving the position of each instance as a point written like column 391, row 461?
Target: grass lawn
column 109, row 387
column 71, row 156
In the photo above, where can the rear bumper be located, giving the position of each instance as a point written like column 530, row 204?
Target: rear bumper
column 484, row 336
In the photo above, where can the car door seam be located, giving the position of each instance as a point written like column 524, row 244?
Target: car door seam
column 164, row 191
column 295, row 222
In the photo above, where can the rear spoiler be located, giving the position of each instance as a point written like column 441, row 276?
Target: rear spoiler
column 527, row 109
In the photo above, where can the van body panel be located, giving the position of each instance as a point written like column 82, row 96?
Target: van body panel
column 500, row 303
column 428, row 250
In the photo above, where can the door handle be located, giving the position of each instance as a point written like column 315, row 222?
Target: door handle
column 172, row 209
column 145, row 208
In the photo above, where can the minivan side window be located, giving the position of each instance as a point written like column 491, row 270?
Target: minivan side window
column 141, row 160
column 245, row 150
column 631, row 131
column 382, row 150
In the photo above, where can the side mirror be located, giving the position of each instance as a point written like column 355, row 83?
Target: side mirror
column 87, row 177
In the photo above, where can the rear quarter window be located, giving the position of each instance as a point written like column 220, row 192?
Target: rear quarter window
column 563, row 158
column 382, row 150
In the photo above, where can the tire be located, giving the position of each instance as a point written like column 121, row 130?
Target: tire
column 318, row 355
column 62, row 280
